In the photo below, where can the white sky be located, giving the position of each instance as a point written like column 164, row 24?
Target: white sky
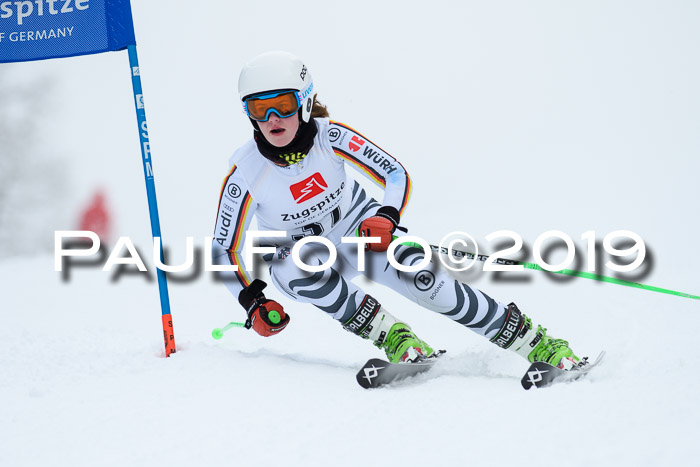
column 526, row 116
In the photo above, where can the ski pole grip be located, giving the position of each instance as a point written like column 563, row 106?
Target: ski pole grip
column 274, row 317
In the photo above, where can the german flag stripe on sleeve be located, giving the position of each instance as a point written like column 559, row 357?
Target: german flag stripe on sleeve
column 240, row 272
column 239, row 233
column 223, row 185
column 373, row 174
column 406, row 194
column 237, row 240
column 221, row 193
column 379, row 178
column 363, row 136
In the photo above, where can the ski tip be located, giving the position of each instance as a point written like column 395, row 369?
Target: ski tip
column 541, row 374
column 599, row 357
column 367, row 374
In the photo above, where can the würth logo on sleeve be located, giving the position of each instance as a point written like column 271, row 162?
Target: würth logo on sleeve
column 356, row 143
column 307, row 189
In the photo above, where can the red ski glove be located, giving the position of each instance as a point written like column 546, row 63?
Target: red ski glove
column 266, row 317
column 382, row 225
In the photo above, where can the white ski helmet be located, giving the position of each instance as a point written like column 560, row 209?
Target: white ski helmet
column 278, row 70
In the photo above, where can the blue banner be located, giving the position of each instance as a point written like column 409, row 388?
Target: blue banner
column 41, row 29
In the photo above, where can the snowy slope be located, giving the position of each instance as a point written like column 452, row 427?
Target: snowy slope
column 84, row 384
column 521, row 116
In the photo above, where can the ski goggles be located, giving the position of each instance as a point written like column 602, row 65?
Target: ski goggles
column 282, row 103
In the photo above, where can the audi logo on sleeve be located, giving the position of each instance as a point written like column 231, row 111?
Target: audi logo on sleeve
column 308, row 188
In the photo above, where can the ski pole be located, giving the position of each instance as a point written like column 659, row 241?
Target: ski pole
column 567, row 272
column 218, row 333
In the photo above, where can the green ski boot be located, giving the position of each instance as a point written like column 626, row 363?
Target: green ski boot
column 371, row 321
column 519, row 335
column 556, row 352
column 402, row 345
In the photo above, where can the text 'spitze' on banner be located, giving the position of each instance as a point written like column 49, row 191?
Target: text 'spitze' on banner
column 41, row 29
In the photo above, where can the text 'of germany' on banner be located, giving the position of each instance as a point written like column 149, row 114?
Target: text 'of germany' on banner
column 42, row 29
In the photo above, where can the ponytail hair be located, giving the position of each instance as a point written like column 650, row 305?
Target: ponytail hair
column 319, row 110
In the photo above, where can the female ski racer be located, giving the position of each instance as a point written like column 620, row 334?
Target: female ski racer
column 292, row 176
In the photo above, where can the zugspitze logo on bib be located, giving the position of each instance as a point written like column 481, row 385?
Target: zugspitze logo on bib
column 307, row 189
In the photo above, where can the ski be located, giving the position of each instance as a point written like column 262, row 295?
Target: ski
column 541, row 374
column 377, row 372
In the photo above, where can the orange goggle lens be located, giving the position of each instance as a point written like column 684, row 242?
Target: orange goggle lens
column 283, row 104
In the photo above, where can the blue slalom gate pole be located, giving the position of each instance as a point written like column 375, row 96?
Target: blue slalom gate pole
column 168, row 334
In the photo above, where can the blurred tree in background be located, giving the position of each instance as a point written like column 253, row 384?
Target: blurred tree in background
column 32, row 178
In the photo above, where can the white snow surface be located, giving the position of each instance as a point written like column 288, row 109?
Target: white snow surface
column 525, row 116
